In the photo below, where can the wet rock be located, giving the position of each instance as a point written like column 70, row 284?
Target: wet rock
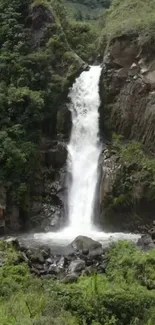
column 152, row 233
column 25, row 258
column 85, row 251
column 49, row 261
column 71, row 277
column 96, row 252
column 52, row 217
column 53, row 269
column 89, row 262
column 103, row 266
column 83, row 242
column 55, row 187
column 45, row 254
column 55, row 221
column 77, row 266
column 46, row 276
column 69, row 252
column 146, row 242
column 35, row 271
column 88, row 271
column 134, row 70
column 36, row 256
column 62, row 263
column 38, row 266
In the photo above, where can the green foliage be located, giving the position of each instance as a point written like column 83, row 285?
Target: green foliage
column 133, row 265
column 36, row 71
column 119, row 297
column 94, row 3
column 130, row 17
column 82, row 37
column 137, row 167
column 85, row 10
column 8, row 253
column 124, row 295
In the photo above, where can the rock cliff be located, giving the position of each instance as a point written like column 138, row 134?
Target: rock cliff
column 127, row 88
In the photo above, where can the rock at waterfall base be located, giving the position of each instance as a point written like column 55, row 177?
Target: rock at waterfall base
column 71, row 277
column 77, row 266
column 146, row 242
column 81, row 243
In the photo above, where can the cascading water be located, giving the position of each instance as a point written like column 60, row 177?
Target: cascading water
column 83, row 155
column 83, row 149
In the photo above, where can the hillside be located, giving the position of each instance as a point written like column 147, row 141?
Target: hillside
column 87, row 9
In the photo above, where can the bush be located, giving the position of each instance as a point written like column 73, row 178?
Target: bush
column 124, row 295
column 129, row 17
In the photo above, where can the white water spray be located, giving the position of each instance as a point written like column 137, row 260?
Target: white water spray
column 84, row 149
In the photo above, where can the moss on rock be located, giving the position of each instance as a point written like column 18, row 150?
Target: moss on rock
column 128, row 187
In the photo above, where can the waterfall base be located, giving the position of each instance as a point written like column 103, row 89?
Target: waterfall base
column 66, row 236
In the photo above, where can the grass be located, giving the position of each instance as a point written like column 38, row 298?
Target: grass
column 129, row 17
column 124, row 295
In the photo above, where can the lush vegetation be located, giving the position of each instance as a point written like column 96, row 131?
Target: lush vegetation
column 129, row 17
column 136, row 176
column 38, row 63
column 87, row 9
column 94, row 3
column 124, row 295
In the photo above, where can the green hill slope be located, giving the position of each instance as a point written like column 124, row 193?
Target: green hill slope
column 87, row 9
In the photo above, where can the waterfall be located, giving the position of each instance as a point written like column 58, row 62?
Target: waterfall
column 83, row 149
column 83, row 156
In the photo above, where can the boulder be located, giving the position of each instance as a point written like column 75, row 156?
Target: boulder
column 88, row 271
column 49, row 260
column 62, row 263
column 146, row 242
column 102, row 267
column 83, row 242
column 71, row 277
column 25, row 258
column 53, row 269
column 95, row 253
column 85, row 251
column 152, row 233
column 77, row 266
column 35, row 256
column 134, row 70
column 39, row 267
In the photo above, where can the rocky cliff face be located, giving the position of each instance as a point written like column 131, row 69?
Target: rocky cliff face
column 127, row 89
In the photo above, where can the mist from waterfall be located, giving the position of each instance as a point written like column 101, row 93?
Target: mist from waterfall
column 84, row 149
